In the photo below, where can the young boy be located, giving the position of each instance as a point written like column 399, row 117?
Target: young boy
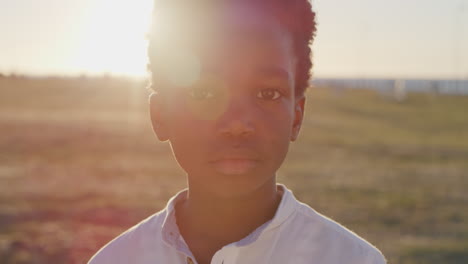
column 229, row 79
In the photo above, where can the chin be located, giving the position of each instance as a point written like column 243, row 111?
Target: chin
column 227, row 186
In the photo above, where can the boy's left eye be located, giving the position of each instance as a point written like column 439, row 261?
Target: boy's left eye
column 269, row 94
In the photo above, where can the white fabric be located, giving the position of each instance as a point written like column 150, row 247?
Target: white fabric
column 297, row 234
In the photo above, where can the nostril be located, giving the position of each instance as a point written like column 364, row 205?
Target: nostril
column 238, row 128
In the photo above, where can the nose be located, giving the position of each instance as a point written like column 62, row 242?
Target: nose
column 239, row 119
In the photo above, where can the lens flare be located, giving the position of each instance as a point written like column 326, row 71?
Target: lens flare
column 182, row 69
column 212, row 108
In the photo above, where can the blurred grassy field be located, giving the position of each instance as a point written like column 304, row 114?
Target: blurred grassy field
column 79, row 164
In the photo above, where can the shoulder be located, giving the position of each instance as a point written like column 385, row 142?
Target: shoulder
column 131, row 244
column 331, row 238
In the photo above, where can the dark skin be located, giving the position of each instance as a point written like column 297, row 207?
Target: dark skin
column 211, row 225
column 230, row 131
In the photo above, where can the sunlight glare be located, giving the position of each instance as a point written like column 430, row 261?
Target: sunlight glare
column 183, row 68
column 114, row 39
column 176, row 56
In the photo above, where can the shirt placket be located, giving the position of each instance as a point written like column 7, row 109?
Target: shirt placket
column 174, row 239
column 190, row 260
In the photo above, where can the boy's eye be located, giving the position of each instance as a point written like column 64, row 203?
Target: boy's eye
column 269, row 94
column 201, row 93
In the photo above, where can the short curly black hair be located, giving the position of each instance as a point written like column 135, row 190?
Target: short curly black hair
column 296, row 15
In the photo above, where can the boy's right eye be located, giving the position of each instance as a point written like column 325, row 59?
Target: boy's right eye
column 201, row 93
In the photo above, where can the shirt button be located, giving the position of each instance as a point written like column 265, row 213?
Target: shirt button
column 189, row 260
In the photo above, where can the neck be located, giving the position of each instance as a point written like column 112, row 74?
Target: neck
column 226, row 219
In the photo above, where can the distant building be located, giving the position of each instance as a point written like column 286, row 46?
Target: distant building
column 397, row 88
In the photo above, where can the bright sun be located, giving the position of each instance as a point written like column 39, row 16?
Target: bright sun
column 113, row 40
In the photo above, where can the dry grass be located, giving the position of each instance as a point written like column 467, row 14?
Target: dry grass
column 79, row 165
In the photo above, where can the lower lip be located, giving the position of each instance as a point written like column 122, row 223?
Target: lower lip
column 234, row 166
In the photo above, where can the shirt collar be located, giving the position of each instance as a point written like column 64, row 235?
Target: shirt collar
column 171, row 234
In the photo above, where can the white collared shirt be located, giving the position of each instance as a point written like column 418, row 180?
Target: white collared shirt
column 296, row 234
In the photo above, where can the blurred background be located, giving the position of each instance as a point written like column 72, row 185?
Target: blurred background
column 383, row 150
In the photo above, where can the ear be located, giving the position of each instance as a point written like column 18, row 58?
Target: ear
column 298, row 117
column 158, row 115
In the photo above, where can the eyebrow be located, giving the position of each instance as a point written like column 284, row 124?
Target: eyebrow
column 267, row 72
column 273, row 72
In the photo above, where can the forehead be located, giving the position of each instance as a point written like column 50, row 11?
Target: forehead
column 237, row 35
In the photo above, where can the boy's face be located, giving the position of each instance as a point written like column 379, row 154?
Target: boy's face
column 230, row 126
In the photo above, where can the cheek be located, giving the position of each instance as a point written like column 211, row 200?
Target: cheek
column 278, row 130
column 187, row 130
column 280, row 119
column 187, row 137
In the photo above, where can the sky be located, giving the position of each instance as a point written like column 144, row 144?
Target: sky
column 355, row 39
